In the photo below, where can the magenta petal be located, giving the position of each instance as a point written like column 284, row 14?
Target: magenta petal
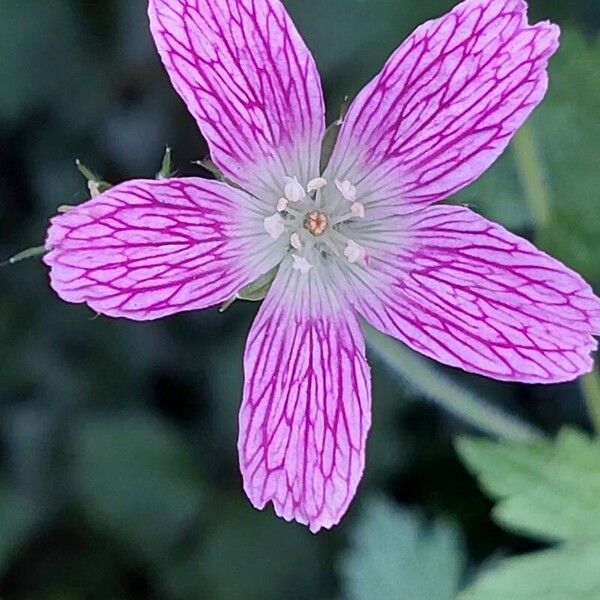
column 445, row 105
column 250, row 82
column 472, row 295
column 307, row 402
column 146, row 249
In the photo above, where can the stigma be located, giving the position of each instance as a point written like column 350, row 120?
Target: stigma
column 316, row 223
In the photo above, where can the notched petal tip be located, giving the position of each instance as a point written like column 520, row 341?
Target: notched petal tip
column 445, row 105
column 315, row 524
column 472, row 295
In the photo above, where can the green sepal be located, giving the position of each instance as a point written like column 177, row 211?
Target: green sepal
column 96, row 185
column 258, row 289
column 208, row 165
column 331, row 135
column 166, row 168
column 25, row 254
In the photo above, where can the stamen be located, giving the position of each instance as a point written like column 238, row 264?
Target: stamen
column 346, row 189
column 316, row 184
column 301, row 264
column 282, row 204
column 331, row 246
column 294, row 192
column 295, row 213
column 354, row 252
column 295, row 241
column 358, row 210
column 275, row 226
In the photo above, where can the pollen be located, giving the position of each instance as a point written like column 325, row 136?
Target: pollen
column 314, row 185
column 354, row 252
column 294, row 192
column 347, row 190
column 301, row 264
column 316, row 223
column 358, row 210
column 275, row 226
column 295, row 241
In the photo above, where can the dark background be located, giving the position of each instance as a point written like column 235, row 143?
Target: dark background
column 118, row 463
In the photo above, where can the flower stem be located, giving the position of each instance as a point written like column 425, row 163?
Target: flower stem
column 590, row 387
column 537, row 193
column 447, row 393
column 532, row 176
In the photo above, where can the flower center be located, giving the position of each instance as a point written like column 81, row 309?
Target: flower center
column 316, row 224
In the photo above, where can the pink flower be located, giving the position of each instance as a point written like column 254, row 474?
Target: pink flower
column 365, row 237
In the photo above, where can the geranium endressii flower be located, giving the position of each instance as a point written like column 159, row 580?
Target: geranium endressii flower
column 364, row 237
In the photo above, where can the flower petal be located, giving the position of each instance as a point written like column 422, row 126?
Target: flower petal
column 445, row 105
column 251, row 83
column 147, row 249
column 470, row 294
column 307, row 402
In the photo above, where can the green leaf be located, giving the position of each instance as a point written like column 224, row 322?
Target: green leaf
column 395, row 556
column 546, row 490
column 569, row 573
column 137, row 480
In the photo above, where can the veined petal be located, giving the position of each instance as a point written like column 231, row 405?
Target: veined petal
column 307, row 402
column 147, row 249
column 466, row 292
column 251, row 83
column 445, row 106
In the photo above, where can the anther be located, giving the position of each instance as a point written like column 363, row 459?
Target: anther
column 354, row 252
column 346, row 189
column 294, row 192
column 295, row 241
column 358, row 210
column 316, row 184
column 274, row 226
column 301, row 264
column 282, row 204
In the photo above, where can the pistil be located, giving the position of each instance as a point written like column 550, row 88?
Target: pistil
column 310, row 219
column 316, row 222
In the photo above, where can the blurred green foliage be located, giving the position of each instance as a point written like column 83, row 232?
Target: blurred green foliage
column 393, row 556
column 570, row 573
column 548, row 490
column 118, row 464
